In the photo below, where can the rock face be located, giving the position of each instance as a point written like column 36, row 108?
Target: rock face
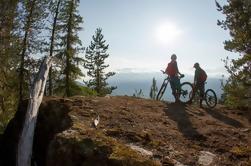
column 83, row 144
column 53, row 118
column 62, row 138
column 8, row 145
column 131, row 132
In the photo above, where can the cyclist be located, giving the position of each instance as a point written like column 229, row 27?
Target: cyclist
column 173, row 72
column 200, row 78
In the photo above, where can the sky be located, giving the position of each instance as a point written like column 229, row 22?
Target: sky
column 142, row 34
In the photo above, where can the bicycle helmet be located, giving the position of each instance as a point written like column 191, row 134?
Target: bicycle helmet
column 173, row 56
column 196, row 65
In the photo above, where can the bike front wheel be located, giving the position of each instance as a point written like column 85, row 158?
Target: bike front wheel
column 211, row 98
column 186, row 91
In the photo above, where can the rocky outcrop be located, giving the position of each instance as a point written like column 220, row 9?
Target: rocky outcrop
column 131, row 132
column 8, row 146
column 61, row 138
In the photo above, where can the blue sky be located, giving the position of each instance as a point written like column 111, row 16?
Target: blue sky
column 142, row 34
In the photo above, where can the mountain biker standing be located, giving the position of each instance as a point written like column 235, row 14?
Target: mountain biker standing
column 173, row 72
column 200, row 78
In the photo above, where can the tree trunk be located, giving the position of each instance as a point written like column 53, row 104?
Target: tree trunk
column 24, row 48
column 2, row 103
column 50, row 82
column 24, row 151
column 68, row 50
column 52, row 45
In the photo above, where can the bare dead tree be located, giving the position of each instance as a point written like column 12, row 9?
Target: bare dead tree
column 25, row 143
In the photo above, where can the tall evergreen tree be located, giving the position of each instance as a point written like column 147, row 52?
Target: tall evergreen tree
column 8, row 39
column 34, row 13
column 238, row 16
column 71, row 45
column 153, row 90
column 55, row 8
column 9, row 42
column 138, row 93
column 95, row 57
column 7, row 20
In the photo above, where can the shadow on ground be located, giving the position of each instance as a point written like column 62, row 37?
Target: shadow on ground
column 223, row 118
column 177, row 113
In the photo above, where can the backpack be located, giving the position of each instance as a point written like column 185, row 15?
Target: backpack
column 202, row 76
column 171, row 70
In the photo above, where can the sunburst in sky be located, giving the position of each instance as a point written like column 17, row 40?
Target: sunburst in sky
column 167, row 33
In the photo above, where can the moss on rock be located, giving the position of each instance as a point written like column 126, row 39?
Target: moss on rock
column 93, row 149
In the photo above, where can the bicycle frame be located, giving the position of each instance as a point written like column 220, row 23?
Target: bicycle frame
column 181, row 93
column 163, row 88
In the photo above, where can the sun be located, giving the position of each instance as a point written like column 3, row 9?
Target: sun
column 167, row 33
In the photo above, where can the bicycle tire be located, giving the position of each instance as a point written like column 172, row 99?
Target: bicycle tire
column 211, row 99
column 162, row 89
column 185, row 93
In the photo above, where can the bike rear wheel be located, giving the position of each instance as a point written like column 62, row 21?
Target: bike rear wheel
column 162, row 89
column 211, row 98
column 186, row 89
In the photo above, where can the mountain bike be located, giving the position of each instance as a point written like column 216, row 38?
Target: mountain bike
column 209, row 97
column 183, row 91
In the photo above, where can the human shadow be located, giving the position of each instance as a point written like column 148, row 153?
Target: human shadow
column 223, row 118
column 177, row 113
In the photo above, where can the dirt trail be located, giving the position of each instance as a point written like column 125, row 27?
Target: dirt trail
column 172, row 132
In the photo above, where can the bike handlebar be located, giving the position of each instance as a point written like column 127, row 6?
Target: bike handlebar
column 181, row 75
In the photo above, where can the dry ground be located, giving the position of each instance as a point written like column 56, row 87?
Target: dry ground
column 173, row 132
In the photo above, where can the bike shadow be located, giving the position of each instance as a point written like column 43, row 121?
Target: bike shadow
column 177, row 113
column 223, row 118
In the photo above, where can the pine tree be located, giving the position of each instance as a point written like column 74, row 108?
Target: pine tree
column 9, row 42
column 238, row 16
column 153, row 90
column 71, row 46
column 33, row 16
column 7, row 20
column 8, row 39
column 95, row 57
column 55, row 8
column 138, row 93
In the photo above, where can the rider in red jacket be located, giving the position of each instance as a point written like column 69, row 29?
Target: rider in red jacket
column 173, row 72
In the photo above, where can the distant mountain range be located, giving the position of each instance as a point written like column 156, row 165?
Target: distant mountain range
column 127, row 83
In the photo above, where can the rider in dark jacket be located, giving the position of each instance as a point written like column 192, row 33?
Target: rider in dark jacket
column 200, row 78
